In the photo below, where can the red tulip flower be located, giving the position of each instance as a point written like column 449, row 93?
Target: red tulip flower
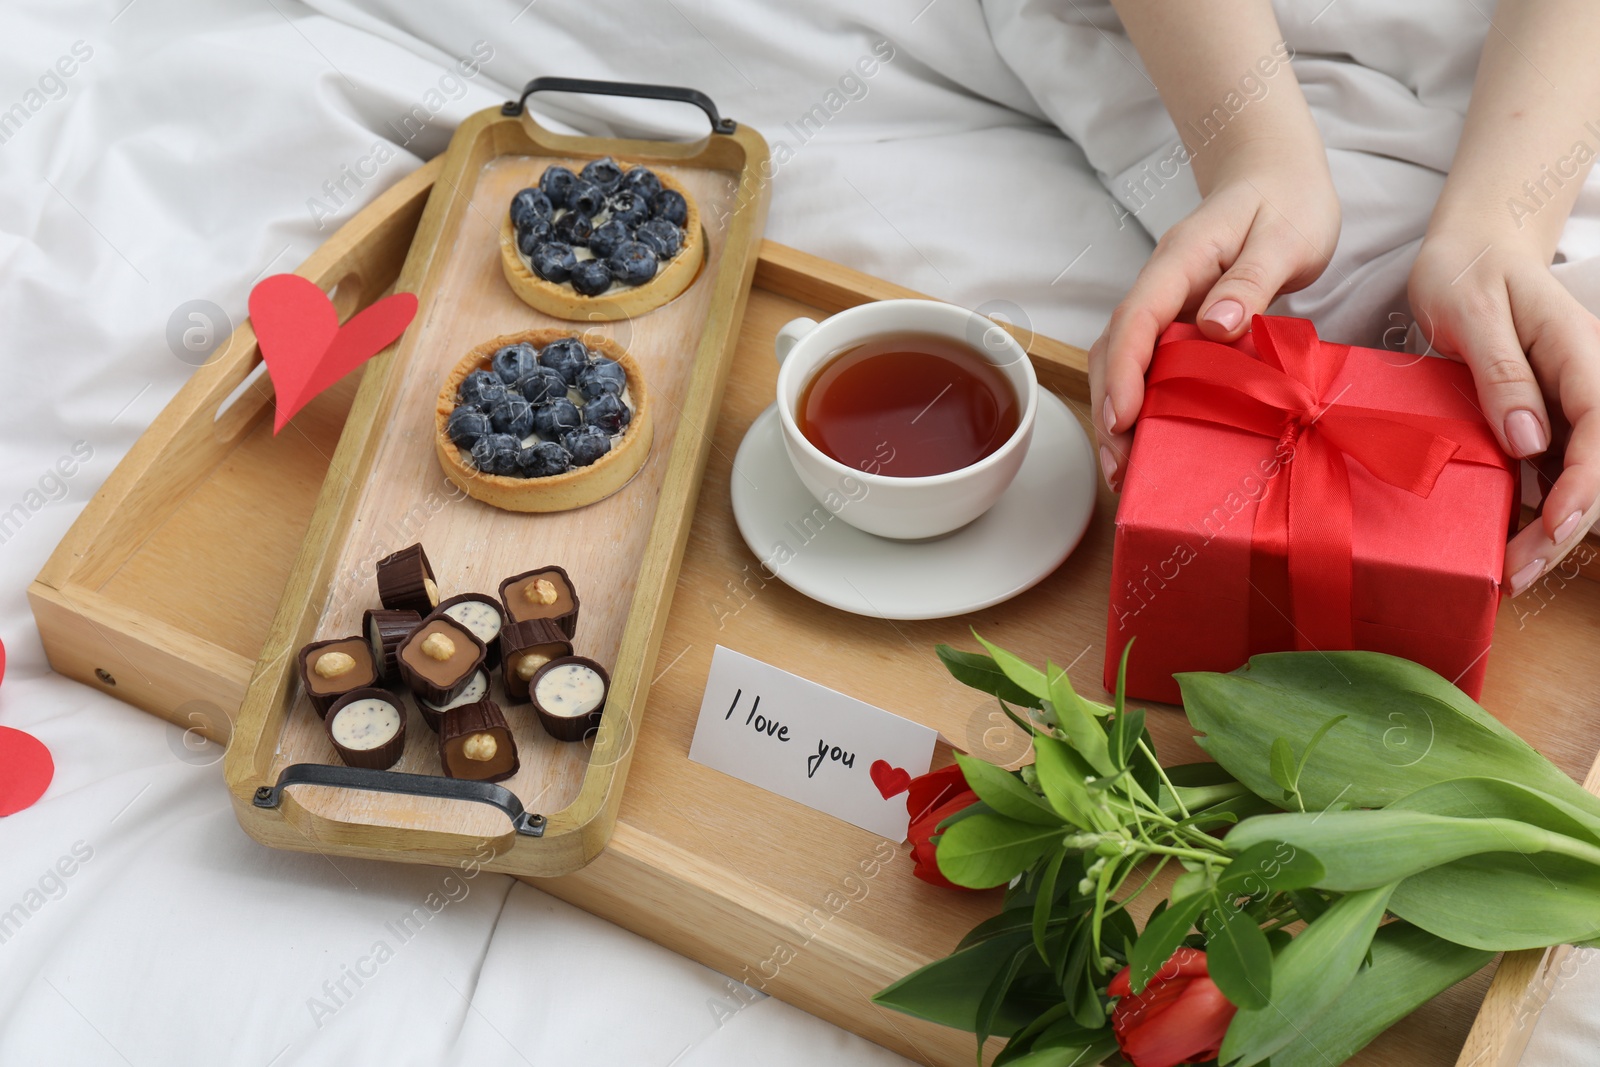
column 930, row 800
column 1180, row 1017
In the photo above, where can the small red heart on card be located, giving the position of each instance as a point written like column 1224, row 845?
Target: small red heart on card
column 25, row 770
column 303, row 345
column 890, row 780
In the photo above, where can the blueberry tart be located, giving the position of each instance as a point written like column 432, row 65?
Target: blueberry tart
column 571, row 427
column 607, row 241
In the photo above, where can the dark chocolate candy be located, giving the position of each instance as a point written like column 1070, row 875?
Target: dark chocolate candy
column 406, row 582
column 569, row 695
column 439, row 658
column 476, row 690
column 525, row 647
column 385, row 630
column 336, row 676
column 475, row 742
column 542, row 593
column 368, row 728
column 485, row 622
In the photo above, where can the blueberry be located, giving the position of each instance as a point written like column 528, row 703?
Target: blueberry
column 480, row 389
column 556, row 183
column 543, row 460
column 628, row 208
column 528, row 205
column 607, row 412
column 532, row 235
column 552, row 420
column 554, row 261
column 590, row 277
column 670, row 205
column 496, row 453
column 586, row 198
column 541, row 385
column 603, row 172
column 573, row 229
column 602, row 376
column 587, row 444
column 642, row 180
column 662, row 237
column 608, row 238
column 513, row 415
column 633, row 263
column 466, row 425
column 567, row 357
column 513, row 361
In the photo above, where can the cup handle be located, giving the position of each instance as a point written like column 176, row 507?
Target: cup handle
column 790, row 334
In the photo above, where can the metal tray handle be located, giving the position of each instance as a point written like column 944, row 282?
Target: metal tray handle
column 676, row 93
column 416, row 785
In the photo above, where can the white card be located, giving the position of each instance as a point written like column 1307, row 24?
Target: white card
column 806, row 742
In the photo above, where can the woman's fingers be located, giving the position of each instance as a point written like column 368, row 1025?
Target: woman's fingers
column 1488, row 342
column 1566, row 351
column 1272, row 260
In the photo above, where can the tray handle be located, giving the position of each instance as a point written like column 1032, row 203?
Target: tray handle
column 677, row 93
column 416, row 785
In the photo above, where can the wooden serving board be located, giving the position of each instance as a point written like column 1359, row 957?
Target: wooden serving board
column 385, row 489
column 788, row 900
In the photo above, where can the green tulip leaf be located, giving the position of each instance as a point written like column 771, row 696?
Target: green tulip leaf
column 1409, row 967
column 1307, row 977
column 1501, row 901
column 989, row 850
column 982, row 673
column 1407, row 728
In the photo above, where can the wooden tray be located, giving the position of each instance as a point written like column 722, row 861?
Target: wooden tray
column 786, row 899
column 385, row 489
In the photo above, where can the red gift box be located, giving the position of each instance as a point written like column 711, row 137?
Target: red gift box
column 1288, row 493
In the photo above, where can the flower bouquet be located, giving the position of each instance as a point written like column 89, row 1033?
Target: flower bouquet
column 1367, row 837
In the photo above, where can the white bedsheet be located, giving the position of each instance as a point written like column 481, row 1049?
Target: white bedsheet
column 184, row 156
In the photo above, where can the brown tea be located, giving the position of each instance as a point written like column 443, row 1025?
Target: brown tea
column 908, row 405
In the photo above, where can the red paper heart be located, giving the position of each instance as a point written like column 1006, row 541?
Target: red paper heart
column 25, row 770
column 890, row 780
column 303, row 345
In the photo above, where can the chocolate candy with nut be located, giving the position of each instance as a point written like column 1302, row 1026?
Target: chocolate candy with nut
column 542, row 593
column 439, row 659
column 525, row 647
column 476, row 743
column 386, row 630
column 330, row 669
column 406, row 582
column 482, row 614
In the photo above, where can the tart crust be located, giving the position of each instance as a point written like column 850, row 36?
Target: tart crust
column 558, row 492
column 620, row 301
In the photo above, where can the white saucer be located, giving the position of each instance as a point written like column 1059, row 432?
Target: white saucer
column 1008, row 549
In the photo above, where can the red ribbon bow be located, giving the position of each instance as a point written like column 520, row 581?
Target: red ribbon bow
column 1300, row 550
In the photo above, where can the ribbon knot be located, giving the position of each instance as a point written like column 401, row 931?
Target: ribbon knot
column 1301, row 543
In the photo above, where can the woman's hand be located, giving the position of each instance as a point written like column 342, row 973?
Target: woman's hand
column 1490, row 301
column 1268, row 225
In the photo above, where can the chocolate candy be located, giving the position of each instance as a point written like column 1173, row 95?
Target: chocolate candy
column 569, row 694
column 433, row 714
column 527, row 646
column 544, row 593
column 475, row 742
column 330, row 669
column 368, row 728
column 405, row 581
column 386, row 630
column 439, row 659
column 480, row 613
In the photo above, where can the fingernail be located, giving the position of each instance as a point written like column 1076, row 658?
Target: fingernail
column 1108, row 465
column 1226, row 313
column 1110, row 416
column 1568, row 526
column 1524, row 578
column 1524, row 434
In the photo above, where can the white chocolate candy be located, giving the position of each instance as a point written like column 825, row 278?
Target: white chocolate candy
column 365, row 724
column 474, row 692
column 570, row 690
column 481, row 618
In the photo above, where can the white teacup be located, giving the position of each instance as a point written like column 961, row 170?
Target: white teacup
column 902, row 508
